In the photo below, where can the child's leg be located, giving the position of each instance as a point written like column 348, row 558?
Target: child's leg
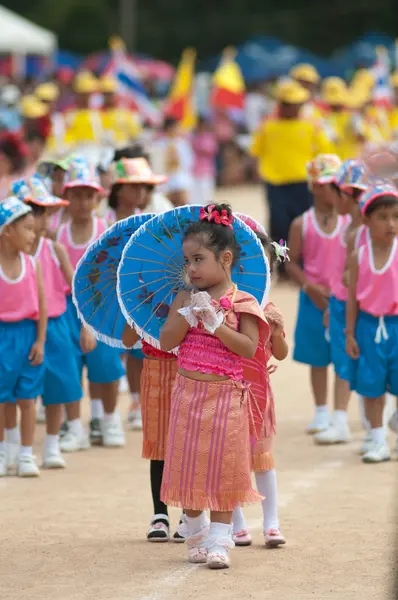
column 319, row 391
column 97, row 413
column 52, row 458
column 338, row 431
column 26, row 463
column 12, row 435
column 159, row 530
column 219, row 540
column 112, row 432
column 379, row 450
column 76, row 437
column 134, row 369
column 197, row 529
column 268, row 487
column 240, row 534
column 3, row 454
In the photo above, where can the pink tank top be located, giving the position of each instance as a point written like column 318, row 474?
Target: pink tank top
column 53, row 279
column 337, row 287
column 19, row 298
column 361, row 237
column 377, row 289
column 76, row 251
column 319, row 249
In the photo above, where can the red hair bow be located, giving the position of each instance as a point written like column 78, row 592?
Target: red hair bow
column 210, row 214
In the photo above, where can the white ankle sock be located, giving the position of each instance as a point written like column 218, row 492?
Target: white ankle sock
column 12, row 436
column 238, row 520
column 135, row 400
column 108, row 417
column 75, row 426
column 379, row 436
column 364, row 421
column 97, row 409
column 322, row 411
column 267, row 486
column 219, row 531
column 194, row 524
column 25, row 451
column 51, row 443
column 2, row 447
column 340, row 417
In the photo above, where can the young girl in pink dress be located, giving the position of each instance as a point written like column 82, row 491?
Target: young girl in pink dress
column 23, row 324
column 207, row 462
column 372, row 312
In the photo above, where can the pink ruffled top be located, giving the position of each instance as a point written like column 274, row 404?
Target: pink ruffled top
column 152, row 352
column 201, row 351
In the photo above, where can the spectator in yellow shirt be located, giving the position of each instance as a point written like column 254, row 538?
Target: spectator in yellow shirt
column 308, row 77
column 283, row 146
column 120, row 125
column 83, row 125
column 393, row 113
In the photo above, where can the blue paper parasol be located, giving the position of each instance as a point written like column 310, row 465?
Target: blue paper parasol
column 94, row 282
column 151, row 271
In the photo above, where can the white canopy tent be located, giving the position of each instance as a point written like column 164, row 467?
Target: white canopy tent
column 20, row 37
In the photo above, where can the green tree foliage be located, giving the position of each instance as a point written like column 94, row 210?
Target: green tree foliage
column 163, row 28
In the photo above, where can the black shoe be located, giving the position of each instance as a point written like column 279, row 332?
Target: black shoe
column 95, row 432
column 177, row 537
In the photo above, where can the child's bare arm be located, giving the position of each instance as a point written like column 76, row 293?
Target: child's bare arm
column 176, row 327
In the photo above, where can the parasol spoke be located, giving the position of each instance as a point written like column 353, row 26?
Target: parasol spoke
column 146, row 285
column 149, row 297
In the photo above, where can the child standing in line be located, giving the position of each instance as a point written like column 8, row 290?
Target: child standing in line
column 207, row 462
column 350, row 183
column 257, row 372
column 23, row 323
column 62, row 378
column 372, row 312
column 103, row 363
column 314, row 240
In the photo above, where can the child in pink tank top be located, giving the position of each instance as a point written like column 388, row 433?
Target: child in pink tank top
column 349, row 185
column 62, row 379
column 314, row 240
column 23, row 323
column 372, row 312
column 104, row 367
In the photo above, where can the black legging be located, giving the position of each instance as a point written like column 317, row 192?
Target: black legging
column 159, row 507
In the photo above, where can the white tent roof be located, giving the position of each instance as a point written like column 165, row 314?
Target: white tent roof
column 20, row 36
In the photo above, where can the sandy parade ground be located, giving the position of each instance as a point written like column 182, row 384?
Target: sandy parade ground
column 79, row 534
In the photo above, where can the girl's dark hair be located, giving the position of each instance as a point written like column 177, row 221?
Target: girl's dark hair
column 381, row 202
column 37, row 211
column 269, row 249
column 13, row 146
column 136, row 151
column 216, row 237
column 355, row 192
column 112, row 199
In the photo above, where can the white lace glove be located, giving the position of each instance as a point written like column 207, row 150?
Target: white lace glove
column 210, row 318
column 189, row 316
column 201, row 309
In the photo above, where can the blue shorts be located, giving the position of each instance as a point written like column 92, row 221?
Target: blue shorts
column 62, row 377
column 376, row 370
column 310, row 344
column 136, row 351
column 18, row 379
column 340, row 358
column 104, row 363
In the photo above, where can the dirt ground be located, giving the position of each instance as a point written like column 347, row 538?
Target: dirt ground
column 79, row 534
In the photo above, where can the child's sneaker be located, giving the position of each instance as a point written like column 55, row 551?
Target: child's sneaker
column 366, row 444
column 53, row 459
column 74, row 442
column 273, row 538
column 377, row 453
column 336, row 433
column 159, row 530
column 197, row 549
column 218, row 553
column 318, row 424
column 27, row 466
column 63, row 430
column 96, row 432
column 3, row 464
column 12, row 456
column 393, row 422
column 242, row 538
column 112, row 432
column 134, row 420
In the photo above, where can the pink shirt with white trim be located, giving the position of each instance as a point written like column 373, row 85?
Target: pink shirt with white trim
column 377, row 289
column 53, row 279
column 319, row 249
column 19, row 298
column 361, row 237
column 337, row 287
column 76, row 251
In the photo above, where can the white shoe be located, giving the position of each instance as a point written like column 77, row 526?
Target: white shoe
column 393, row 422
column 377, row 453
column 134, row 420
column 3, row 464
column 27, row 466
column 112, row 432
column 72, row 442
column 12, row 455
column 366, row 444
column 318, row 424
column 336, row 433
column 40, row 414
column 53, row 459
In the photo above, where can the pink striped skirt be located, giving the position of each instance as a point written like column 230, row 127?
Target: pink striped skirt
column 207, row 462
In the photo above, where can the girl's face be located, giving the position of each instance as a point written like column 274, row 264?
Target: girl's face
column 203, row 268
column 22, row 233
column 83, row 201
column 383, row 223
column 42, row 222
column 324, row 195
column 58, row 180
column 132, row 196
column 343, row 202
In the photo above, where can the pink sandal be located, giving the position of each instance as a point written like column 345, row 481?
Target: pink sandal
column 197, row 550
column 273, row 538
column 242, row 538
